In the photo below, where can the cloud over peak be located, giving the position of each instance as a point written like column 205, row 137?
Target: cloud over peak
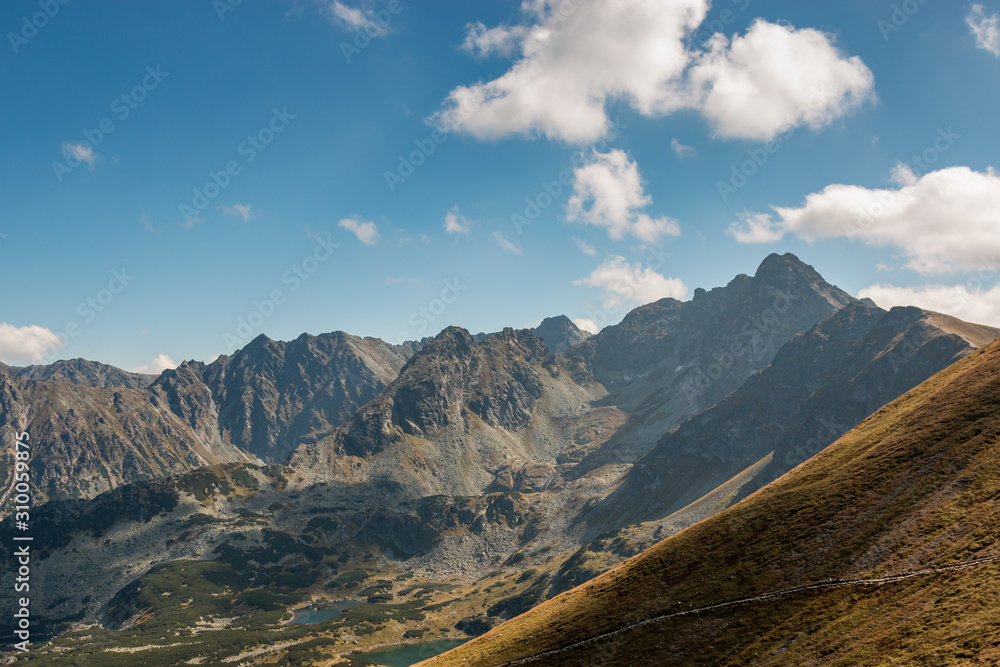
column 159, row 364
column 945, row 221
column 27, row 344
column 621, row 280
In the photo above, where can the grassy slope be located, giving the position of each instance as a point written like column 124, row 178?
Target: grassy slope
column 917, row 484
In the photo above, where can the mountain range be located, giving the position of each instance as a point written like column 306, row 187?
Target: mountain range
column 498, row 469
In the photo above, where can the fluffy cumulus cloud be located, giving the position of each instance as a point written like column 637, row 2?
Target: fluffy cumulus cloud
column 575, row 56
column 454, row 223
column 970, row 303
column 608, row 193
column 366, row 231
column 623, row 281
column 587, row 324
column 945, row 221
column 159, row 364
column 985, row 28
column 775, row 78
column 26, row 345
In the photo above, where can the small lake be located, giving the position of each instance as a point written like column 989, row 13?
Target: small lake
column 410, row 654
column 308, row 616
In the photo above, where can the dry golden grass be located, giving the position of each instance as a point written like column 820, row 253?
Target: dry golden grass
column 916, row 485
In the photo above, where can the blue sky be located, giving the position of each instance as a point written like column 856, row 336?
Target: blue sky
column 137, row 247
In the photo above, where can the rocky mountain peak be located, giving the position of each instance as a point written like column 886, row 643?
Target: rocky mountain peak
column 560, row 333
column 496, row 380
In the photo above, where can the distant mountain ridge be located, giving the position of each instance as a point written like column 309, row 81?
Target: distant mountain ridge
column 255, row 406
column 82, row 372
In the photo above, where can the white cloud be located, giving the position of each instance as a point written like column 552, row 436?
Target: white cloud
column 755, row 228
column 505, row 243
column 500, row 40
column 608, row 193
column 26, row 345
column 366, row 232
column 81, row 152
column 159, row 364
column 970, row 304
column 986, row 29
column 943, row 222
column 680, row 150
column 576, row 56
column 455, row 223
column 356, row 18
column 584, row 247
column 239, row 210
column 587, row 324
column 775, row 78
column 621, row 280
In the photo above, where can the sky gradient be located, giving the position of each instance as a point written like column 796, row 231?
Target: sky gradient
column 181, row 177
